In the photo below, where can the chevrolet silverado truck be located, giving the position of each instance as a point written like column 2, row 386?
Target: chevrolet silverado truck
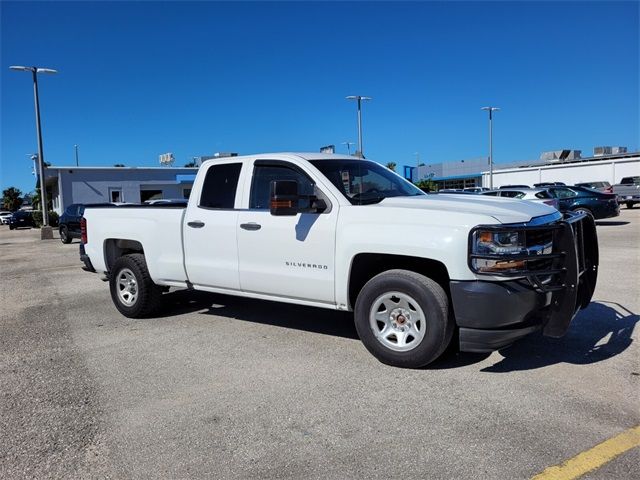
column 628, row 191
column 344, row 233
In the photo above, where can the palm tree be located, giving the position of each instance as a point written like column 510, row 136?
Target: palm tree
column 391, row 166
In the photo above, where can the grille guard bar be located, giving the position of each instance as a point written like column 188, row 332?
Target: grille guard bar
column 571, row 278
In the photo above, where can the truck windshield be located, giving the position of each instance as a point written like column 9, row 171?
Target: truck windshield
column 364, row 182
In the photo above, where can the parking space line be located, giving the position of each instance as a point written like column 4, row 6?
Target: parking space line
column 593, row 458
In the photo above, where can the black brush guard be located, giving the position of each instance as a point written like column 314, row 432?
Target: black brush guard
column 569, row 272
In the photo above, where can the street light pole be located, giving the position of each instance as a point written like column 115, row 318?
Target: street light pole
column 77, row 161
column 491, row 110
column 43, row 191
column 359, row 99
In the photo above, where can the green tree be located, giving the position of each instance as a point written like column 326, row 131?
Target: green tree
column 427, row 185
column 11, row 198
column 191, row 164
column 392, row 166
column 119, row 165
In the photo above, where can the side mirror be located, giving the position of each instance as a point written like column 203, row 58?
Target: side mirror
column 318, row 205
column 284, row 197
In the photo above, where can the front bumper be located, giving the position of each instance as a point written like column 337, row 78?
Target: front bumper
column 494, row 314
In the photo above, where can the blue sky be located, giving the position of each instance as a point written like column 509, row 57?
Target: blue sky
column 140, row 79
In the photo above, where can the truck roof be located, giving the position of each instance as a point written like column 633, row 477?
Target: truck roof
column 276, row 155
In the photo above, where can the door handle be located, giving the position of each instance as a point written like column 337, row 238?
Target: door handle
column 250, row 226
column 196, row 224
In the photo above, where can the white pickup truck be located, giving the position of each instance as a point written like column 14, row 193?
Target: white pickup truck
column 343, row 233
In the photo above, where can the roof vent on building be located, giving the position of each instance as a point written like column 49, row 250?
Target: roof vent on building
column 561, row 155
column 601, row 151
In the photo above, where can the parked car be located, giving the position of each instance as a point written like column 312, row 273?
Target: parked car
column 601, row 186
column 69, row 222
column 548, row 184
column 4, row 217
column 513, row 186
column 476, row 189
column 454, row 190
column 20, row 219
column 539, row 195
column 580, row 199
column 628, row 191
column 347, row 234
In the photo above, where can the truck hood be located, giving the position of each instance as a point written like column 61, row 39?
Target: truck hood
column 504, row 210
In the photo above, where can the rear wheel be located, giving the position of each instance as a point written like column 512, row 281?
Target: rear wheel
column 132, row 290
column 402, row 318
column 64, row 235
column 629, row 204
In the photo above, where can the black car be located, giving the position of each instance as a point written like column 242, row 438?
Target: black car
column 20, row 219
column 580, row 199
column 69, row 223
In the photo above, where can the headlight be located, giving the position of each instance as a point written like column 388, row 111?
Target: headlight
column 504, row 243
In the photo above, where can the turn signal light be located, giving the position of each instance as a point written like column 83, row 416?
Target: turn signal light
column 281, row 204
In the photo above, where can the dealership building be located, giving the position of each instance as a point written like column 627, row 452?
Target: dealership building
column 67, row 185
column 609, row 164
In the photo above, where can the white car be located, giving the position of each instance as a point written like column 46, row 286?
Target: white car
column 4, row 217
column 343, row 233
column 539, row 195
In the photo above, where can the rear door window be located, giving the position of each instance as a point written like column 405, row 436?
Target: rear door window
column 564, row 193
column 220, row 185
column 511, row 194
column 543, row 194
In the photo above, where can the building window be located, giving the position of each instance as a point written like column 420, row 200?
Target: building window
column 150, row 195
column 115, row 194
column 220, row 184
column 186, row 193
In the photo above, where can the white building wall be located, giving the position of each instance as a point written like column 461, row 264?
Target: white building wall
column 611, row 171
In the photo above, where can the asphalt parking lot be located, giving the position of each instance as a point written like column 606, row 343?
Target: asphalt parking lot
column 221, row 387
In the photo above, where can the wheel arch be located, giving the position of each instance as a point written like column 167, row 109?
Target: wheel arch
column 115, row 248
column 365, row 266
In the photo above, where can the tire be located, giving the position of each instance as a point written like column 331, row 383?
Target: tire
column 64, row 235
column 629, row 204
column 388, row 295
column 130, row 275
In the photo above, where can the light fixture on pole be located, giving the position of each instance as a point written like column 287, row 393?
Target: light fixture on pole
column 46, row 231
column 348, row 144
column 490, row 110
column 359, row 99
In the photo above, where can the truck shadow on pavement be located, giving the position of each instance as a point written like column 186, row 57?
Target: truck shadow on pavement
column 298, row 317
column 617, row 223
column 601, row 331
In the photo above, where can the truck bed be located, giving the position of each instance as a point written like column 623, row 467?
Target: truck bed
column 157, row 227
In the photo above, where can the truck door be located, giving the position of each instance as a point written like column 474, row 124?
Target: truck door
column 290, row 256
column 210, row 229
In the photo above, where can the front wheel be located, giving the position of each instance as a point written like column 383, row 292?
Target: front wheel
column 132, row 290
column 402, row 318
